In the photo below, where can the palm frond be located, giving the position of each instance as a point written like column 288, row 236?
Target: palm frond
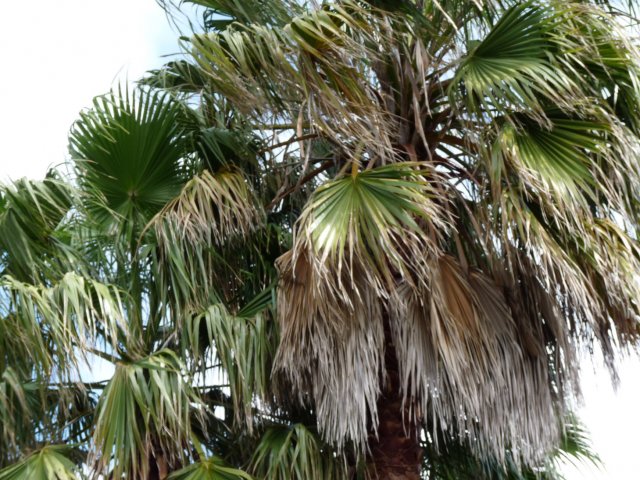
column 295, row 453
column 48, row 463
column 53, row 320
column 511, row 66
column 555, row 160
column 30, row 213
column 464, row 320
column 128, row 158
column 179, row 75
column 35, row 411
column 14, row 410
column 308, row 70
column 213, row 211
column 331, row 347
column 209, row 469
column 576, row 446
column 371, row 218
column 144, row 412
column 212, row 208
column 244, row 347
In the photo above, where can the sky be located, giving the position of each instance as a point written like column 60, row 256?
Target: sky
column 58, row 55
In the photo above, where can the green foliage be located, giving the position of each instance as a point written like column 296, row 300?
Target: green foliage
column 30, row 213
column 145, row 398
column 128, row 158
column 49, row 463
column 316, row 201
column 209, row 469
column 294, row 452
column 511, row 64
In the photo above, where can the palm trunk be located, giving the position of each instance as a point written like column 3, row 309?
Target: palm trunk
column 396, row 453
column 158, row 468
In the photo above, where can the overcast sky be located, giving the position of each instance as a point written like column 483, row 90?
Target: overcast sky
column 58, row 55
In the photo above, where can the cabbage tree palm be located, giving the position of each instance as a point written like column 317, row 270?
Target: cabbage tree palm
column 334, row 240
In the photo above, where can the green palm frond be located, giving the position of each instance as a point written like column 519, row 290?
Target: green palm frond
column 576, row 446
column 48, row 463
column 179, row 75
column 220, row 13
column 604, row 58
column 209, row 469
column 511, row 65
column 557, row 159
column 145, row 399
column 74, row 311
column 30, row 213
column 33, row 412
column 371, row 218
column 128, row 157
column 295, row 453
column 244, row 345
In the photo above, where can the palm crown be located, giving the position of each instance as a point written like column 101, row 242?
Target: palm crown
column 328, row 229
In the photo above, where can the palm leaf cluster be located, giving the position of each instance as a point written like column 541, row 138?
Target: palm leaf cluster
column 319, row 207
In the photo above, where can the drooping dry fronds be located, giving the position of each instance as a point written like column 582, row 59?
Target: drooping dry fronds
column 212, row 208
column 331, row 347
column 461, row 358
column 353, row 243
column 318, row 59
column 212, row 211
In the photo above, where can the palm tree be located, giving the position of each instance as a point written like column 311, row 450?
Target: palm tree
column 332, row 241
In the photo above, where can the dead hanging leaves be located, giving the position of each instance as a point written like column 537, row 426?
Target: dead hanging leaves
column 476, row 348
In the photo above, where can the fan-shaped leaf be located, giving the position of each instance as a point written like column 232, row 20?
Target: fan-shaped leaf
column 49, row 463
column 128, row 157
column 294, row 452
column 209, row 469
column 145, row 399
column 511, row 65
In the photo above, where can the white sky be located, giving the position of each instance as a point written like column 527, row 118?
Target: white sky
column 59, row 54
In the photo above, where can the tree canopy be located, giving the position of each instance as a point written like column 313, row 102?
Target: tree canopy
column 331, row 240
